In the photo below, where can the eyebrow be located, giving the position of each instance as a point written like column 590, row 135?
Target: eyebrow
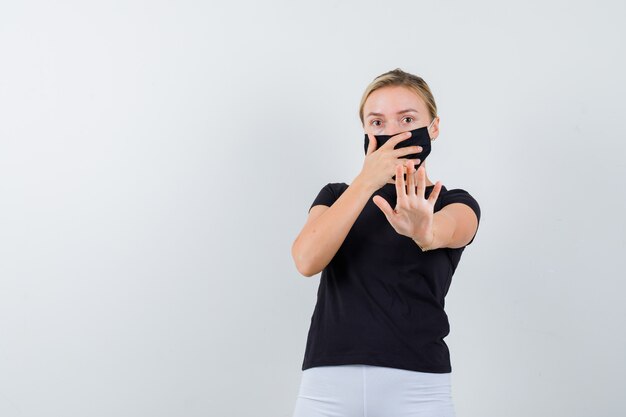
column 400, row 112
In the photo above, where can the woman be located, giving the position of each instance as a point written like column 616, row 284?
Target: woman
column 375, row 344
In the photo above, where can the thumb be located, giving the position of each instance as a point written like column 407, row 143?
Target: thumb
column 383, row 205
column 371, row 146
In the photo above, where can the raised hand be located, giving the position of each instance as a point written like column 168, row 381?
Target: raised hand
column 413, row 214
column 379, row 163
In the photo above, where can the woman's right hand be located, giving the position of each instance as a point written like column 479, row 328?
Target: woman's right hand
column 380, row 164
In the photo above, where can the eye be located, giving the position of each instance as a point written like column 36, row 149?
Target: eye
column 376, row 122
column 408, row 119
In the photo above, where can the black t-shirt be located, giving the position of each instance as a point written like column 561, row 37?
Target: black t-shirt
column 380, row 300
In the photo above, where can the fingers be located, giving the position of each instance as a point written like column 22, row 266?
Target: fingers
column 383, row 205
column 403, row 150
column 400, row 185
column 411, row 179
column 421, row 182
column 405, row 162
column 407, row 150
column 394, row 140
column 434, row 194
column 371, row 146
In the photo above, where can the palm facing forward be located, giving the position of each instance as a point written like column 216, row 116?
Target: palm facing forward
column 413, row 215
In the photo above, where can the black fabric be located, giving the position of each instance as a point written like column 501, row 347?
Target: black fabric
column 380, row 300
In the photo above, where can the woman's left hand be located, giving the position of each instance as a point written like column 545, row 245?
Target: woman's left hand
column 413, row 215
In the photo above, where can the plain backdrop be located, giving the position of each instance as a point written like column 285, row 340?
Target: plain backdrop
column 158, row 158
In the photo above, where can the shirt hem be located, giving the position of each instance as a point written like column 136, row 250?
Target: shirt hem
column 368, row 360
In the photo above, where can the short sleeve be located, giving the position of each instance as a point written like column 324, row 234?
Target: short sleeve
column 327, row 195
column 458, row 195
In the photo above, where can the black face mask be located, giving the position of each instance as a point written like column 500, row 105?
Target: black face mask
column 419, row 137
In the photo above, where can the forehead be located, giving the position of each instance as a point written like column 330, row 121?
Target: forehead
column 392, row 99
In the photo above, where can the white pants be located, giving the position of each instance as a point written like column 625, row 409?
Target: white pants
column 373, row 391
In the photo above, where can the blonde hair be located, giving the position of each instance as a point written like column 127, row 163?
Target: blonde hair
column 398, row 77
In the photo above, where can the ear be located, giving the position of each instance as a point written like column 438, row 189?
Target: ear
column 434, row 130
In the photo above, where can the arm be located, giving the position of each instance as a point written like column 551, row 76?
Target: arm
column 453, row 226
column 327, row 228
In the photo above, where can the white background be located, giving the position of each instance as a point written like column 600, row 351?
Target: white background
column 158, row 158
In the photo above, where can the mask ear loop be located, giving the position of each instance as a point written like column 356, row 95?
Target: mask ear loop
column 429, row 126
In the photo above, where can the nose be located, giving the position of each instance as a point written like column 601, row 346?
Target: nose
column 393, row 132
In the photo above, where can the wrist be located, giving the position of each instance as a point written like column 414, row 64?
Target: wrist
column 427, row 244
column 363, row 184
